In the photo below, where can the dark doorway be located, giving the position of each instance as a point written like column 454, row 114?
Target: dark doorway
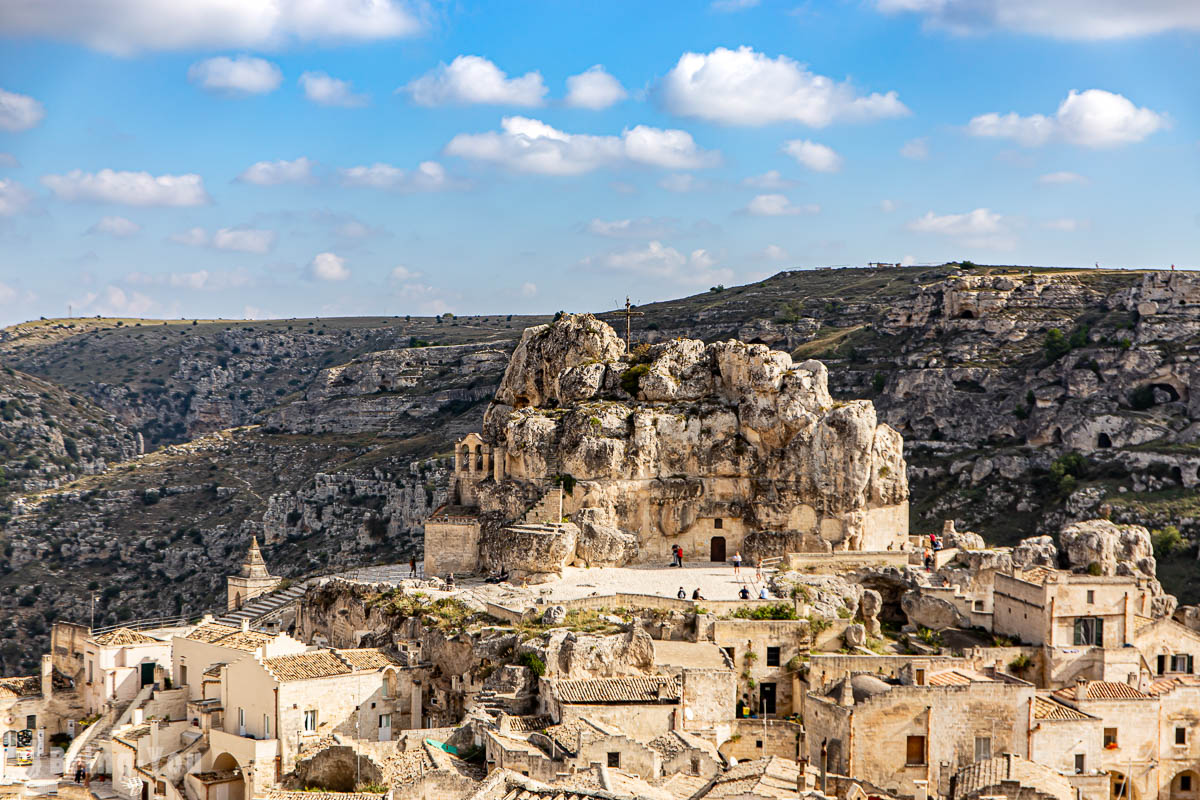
column 147, row 673
column 1103, row 440
column 145, row 791
column 766, row 698
column 717, row 549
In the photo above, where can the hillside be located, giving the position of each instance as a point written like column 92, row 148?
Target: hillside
column 323, row 436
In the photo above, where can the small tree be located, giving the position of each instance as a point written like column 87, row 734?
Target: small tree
column 1056, row 345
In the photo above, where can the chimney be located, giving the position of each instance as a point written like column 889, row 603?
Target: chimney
column 846, row 698
column 47, row 677
column 245, row 625
column 1132, row 679
column 154, row 743
column 1080, row 689
column 136, row 719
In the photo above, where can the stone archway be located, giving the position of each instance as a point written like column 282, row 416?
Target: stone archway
column 335, row 769
column 1185, row 785
column 231, row 782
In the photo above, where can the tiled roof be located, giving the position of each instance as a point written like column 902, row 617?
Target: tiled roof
column 305, row 666
column 129, row 736
column 368, row 658
column 764, row 777
column 1048, row 708
column 956, row 677
column 30, row 686
column 210, row 632
column 283, row 794
column 979, row 778
column 617, row 690
column 244, row 640
column 124, row 636
column 504, row 784
column 1104, row 690
column 1168, row 684
column 215, row 670
column 529, row 724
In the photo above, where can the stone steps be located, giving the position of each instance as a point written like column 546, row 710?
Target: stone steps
column 546, row 509
column 263, row 605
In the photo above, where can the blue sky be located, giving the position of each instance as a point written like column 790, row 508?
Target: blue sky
column 345, row 157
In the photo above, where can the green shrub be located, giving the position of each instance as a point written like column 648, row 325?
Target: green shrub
column 878, row 382
column 631, row 378
column 1056, row 345
column 773, row 611
column 1142, row 397
column 528, row 659
column 1065, row 471
column 1167, row 541
column 1094, row 569
column 1019, row 663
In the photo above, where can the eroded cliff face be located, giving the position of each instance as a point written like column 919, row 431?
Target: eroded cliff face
column 661, row 443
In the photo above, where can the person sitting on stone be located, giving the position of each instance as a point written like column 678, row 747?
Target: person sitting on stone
column 682, row 594
column 450, row 581
column 696, row 594
column 762, row 593
column 744, row 593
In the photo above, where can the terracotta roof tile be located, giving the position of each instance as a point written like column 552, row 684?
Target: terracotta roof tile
column 1104, row 690
column 1048, row 708
column 529, row 724
column 368, row 658
column 617, row 690
column 30, row 686
column 244, row 640
column 124, row 636
column 956, row 677
column 306, row 666
column 1169, row 684
column 210, row 632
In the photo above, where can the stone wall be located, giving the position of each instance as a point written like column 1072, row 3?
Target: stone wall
column 451, row 546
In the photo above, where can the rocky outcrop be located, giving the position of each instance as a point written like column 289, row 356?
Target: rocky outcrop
column 1106, row 548
column 683, row 431
column 1036, row 551
column 927, row 611
column 570, row 655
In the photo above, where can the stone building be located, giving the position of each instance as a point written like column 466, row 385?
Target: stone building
column 593, row 456
column 118, row 663
column 252, row 579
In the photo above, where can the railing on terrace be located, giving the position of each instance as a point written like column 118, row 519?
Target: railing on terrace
column 149, row 623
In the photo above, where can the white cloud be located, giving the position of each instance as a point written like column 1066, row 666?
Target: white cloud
column 1063, row 19
column 887, row 206
column 244, row 240
column 643, row 228
column 979, row 228
column 402, row 273
column 200, row 280
column 273, row 173
column 324, row 90
column 128, row 188
column 660, row 261
column 529, row 145
column 732, row 5
column 19, row 112
column 429, row 176
column 768, row 180
column 1066, row 224
column 916, row 149
column 119, row 227
column 1059, row 178
column 242, row 75
column 14, row 198
column 8, row 294
column 192, row 237
column 328, row 267
column 124, row 27
column 743, row 87
column 681, row 183
column 778, row 205
column 240, row 239
column 474, row 80
column 817, row 157
column 113, row 301
column 9, row 160
column 528, row 289
column 1094, row 118
column 774, row 252
column 594, row 89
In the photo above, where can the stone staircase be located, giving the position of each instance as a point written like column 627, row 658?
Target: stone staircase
column 547, row 509
column 264, row 605
column 490, row 702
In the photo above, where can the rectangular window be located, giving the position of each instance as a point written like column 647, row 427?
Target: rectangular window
column 183, row 675
column 729, row 652
column 983, row 748
column 1110, row 737
column 31, row 722
column 385, row 720
column 1180, row 735
column 310, row 721
column 772, row 656
column 1080, row 762
column 1185, row 783
column 241, row 720
column 1162, row 664
column 718, row 523
column 91, row 674
column 1091, row 596
column 919, row 677
column 915, row 751
column 266, row 727
column 1180, row 662
column 758, row 743
column 1089, row 632
column 614, row 760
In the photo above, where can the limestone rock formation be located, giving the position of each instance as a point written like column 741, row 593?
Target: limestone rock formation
column 1036, row 551
column 855, row 635
column 1114, row 549
column 664, row 442
column 932, row 612
column 568, row 654
column 868, row 610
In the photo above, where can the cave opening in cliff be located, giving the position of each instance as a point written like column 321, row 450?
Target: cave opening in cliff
column 1103, row 441
column 966, row 313
column 1177, row 475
